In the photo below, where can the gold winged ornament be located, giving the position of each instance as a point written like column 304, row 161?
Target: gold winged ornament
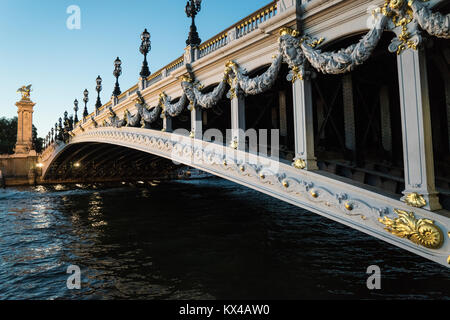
column 25, row 91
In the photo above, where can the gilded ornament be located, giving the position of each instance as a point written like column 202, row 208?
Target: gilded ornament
column 401, row 14
column 314, row 194
column 422, row 232
column 285, row 184
column 312, row 43
column 415, row 200
column 186, row 78
column 288, row 31
column 296, row 74
column 299, row 164
column 25, row 92
column 349, row 206
column 234, row 144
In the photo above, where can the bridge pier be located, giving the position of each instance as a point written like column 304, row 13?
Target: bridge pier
column 416, row 127
column 304, row 124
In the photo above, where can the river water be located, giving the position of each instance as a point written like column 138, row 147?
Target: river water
column 196, row 239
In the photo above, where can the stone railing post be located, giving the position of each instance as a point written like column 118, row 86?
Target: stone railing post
column 283, row 5
column 231, row 35
column 190, row 54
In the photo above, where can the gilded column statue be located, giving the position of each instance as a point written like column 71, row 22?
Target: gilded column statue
column 25, row 106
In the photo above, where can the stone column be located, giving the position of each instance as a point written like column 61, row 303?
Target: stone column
column 386, row 131
column 304, row 125
column 167, row 124
column 238, row 121
column 349, row 112
column 283, row 114
column 24, row 126
column 196, row 123
column 447, row 101
column 417, row 133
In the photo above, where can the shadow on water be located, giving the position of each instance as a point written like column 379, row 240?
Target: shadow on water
column 199, row 239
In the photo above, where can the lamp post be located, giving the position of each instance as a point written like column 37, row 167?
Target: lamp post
column 193, row 7
column 98, row 88
column 52, row 136
column 56, row 131
column 117, row 72
column 66, row 119
column 144, row 49
column 71, row 123
column 75, row 108
column 60, row 130
column 85, row 100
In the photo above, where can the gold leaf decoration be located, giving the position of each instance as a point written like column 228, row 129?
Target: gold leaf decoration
column 422, row 232
column 415, row 200
column 289, row 31
column 299, row 164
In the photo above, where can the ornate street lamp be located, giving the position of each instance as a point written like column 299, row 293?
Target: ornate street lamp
column 66, row 119
column 71, row 123
column 117, row 72
column 144, row 49
column 85, row 100
column 193, row 7
column 75, row 108
column 52, row 136
column 60, row 130
column 98, row 88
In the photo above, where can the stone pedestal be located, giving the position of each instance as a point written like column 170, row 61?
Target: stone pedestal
column 24, row 143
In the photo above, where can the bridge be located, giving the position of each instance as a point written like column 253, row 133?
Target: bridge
column 339, row 107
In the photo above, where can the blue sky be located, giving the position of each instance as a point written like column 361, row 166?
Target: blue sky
column 37, row 48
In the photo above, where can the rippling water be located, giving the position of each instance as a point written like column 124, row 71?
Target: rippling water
column 199, row 239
